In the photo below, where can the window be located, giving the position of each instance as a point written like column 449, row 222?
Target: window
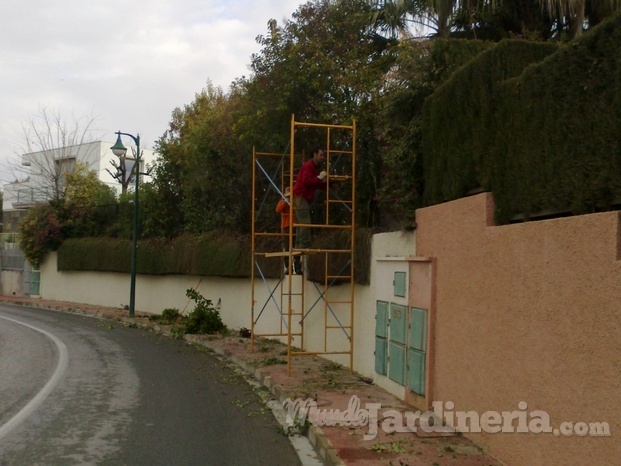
column 65, row 165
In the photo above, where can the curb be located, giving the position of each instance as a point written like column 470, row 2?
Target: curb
column 321, row 444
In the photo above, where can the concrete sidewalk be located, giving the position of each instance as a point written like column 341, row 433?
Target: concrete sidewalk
column 328, row 384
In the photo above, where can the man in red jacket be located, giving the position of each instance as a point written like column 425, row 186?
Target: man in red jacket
column 307, row 182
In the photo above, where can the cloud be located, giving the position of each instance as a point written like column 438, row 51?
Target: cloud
column 131, row 63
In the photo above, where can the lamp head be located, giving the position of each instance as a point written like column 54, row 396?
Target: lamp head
column 118, row 148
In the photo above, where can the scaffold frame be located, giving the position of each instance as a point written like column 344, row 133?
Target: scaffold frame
column 287, row 295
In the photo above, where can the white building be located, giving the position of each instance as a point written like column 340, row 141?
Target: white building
column 41, row 167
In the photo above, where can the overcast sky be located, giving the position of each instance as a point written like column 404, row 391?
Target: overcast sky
column 128, row 63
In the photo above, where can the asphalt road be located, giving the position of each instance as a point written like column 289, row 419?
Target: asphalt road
column 76, row 390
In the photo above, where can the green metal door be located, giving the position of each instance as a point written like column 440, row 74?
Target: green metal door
column 397, row 345
column 35, row 282
column 398, row 323
column 381, row 357
column 417, row 350
column 399, row 284
column 381, row 337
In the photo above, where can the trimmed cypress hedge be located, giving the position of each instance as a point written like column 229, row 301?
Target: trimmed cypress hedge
column 542, row 138
column 215, row 254
column 460, row 115
column 559, row 148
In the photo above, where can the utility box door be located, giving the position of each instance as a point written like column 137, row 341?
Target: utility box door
column 381, row 337
column 381, row 319
column 381, row 360
column 398, row 323
column 417, row 350
column 399, row 284
column 416, row 371
column 418, row 329
column 396, row 368
column 397, row 345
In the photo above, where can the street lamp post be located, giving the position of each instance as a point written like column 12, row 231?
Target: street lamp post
column 120, row 150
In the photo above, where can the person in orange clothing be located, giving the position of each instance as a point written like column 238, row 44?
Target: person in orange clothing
column 287, row 218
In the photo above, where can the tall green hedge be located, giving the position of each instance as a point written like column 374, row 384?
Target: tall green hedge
column 542, row 137
column 459, row 115
column 216, row 254
column 445, row 55
column 558, row 148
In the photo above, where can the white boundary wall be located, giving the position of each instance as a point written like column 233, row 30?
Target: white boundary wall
column 156, row 293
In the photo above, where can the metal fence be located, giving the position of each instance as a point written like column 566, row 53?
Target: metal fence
column 12, row 260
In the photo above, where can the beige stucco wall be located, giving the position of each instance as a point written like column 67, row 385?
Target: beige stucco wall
column 153, row 293
column 156, row 293
column 528, row 312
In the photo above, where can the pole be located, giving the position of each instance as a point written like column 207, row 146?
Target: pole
column 120, row 150
column 132, row 288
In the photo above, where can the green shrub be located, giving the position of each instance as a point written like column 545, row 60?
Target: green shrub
column 205, row 318
column 168, row 316
column 40, row 232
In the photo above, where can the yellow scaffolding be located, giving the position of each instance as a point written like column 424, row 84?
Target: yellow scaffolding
column 291, row 295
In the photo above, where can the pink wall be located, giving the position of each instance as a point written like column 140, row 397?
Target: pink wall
column 528, row 312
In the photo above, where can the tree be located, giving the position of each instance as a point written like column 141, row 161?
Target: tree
column 326, row 65
column 442, row 17
column 394, row 17
column 40, row 232
column 495, row 19
column 574, row 15
column 89, row 205
column 202, row 178
column 84, row 188
column 420, row 68
column 48, row 149
column 124, row 170
column 87, row 209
